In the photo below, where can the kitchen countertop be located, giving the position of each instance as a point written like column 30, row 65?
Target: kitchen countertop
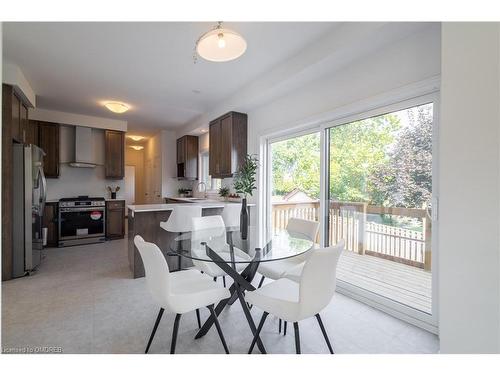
column 107, row 199
column 171, row 206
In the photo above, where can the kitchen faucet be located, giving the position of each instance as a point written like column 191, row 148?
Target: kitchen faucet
column 204, row 188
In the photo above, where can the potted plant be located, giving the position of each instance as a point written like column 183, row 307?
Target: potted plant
column 113, row 191
column 224, row 192
column 244, row 183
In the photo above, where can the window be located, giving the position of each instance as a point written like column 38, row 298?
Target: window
column 211, row 183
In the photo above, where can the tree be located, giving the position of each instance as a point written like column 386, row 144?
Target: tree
column 296, row 164
column 406, row 180
column 357, row 150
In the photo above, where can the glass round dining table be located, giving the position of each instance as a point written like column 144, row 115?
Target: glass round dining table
column 239, row 258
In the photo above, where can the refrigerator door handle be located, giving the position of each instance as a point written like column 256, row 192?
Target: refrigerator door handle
column 43, row 196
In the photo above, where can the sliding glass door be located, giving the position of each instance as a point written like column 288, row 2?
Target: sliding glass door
column 378, row 198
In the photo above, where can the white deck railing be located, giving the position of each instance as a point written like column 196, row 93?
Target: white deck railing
column 350, row 221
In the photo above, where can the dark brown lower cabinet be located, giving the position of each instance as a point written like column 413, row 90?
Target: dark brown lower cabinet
column 50, row 222
column 115, row 219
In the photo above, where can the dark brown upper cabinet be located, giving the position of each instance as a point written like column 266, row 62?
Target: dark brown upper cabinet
column 48, row 141
column 114, row 163
column 187, row 157
column 228, row 144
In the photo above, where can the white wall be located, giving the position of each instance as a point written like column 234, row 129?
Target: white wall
column 169, row 184
column 80, row 181
column 469, row 223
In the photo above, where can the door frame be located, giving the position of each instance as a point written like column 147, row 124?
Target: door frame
column 421, row 92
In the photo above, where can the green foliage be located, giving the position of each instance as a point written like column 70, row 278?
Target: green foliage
column 384, row 160
column 296, row 164
column 244, row 179
column 357, row 150
column 224, row 191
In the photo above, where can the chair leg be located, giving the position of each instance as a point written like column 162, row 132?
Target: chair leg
column 217, row 325
column 297, row 337
column 261, row 281
column 279, row 326
column 324, row 333
column 174, row 333
column 224, row 280
column 259, row 328
column 160, row 313
column 284, row 328
column 198, row 318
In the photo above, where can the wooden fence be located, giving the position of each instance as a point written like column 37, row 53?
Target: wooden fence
column 350, row 221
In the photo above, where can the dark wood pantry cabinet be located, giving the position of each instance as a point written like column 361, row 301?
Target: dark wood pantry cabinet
column 187, row 157
column 228, row 144
column 114, row 154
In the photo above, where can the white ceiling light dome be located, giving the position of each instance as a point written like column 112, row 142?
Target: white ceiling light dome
column 221, row 44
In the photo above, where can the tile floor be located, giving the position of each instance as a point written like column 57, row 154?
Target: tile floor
column 84, row 300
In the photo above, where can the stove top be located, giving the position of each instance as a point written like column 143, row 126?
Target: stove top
column 81, row 198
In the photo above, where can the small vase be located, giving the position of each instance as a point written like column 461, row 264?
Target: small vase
column 244, row 219
column 113, row 195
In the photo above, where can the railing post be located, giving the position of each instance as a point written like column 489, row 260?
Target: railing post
column 427, row 224
column 361, row 229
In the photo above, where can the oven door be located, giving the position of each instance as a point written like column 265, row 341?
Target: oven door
column 81, row 222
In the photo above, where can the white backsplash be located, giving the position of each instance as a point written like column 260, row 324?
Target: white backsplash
column 81, row 181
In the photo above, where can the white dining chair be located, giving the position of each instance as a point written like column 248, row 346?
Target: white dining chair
column 178, row 292
column 275, row 270
column 180, row 221
column 293, row 301
column 231, row 214
column 216, row 225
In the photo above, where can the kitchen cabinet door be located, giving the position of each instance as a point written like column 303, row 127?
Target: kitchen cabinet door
column 225, row 147
column 16, row 118
column 48, row 141
column 114, row 163
column 187, row 157
column 228, row 144
column 181, row 150
column 50, row 222
column 214, row 148
column 32, row 133
column 115, row 219
column 23, row 123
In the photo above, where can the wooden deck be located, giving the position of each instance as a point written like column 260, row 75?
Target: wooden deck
column 405, row 284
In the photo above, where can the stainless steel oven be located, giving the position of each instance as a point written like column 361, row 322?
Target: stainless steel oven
column 82, row 220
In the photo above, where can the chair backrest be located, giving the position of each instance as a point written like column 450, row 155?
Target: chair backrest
column 308, row 228
column 213, row 229
column 180, row 219
column 156, row 270
column 319, row 279
column 231, row 214
column 207, row 222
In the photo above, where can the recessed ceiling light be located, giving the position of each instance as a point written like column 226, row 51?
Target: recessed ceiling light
column 137, row 148
column 116, row 107
column 220, row 45
column 196, row 91
column 136, row 137
column 204, row 130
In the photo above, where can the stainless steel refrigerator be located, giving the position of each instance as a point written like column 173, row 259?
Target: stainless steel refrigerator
column 30, row 192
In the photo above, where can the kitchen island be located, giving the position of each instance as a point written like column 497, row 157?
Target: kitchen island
column 144, row 220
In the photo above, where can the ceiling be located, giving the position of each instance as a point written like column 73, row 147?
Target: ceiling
column 72, row 67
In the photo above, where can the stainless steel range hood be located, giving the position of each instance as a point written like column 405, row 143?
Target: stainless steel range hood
column 83, row 148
